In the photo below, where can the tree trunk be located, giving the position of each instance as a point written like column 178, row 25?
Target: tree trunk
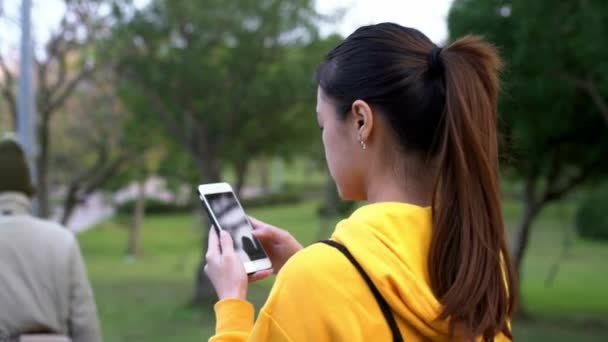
column 520, row 244
column 240, row 167
column 566, row 246
column 329, row 209
column 310, row 168
column 42, row 161
column 69, row 204
column 138, row 219
column 209, row 169
column 523, row 234
column 531, row 207
column 42, row 189
column 203, row 290
column 265, row 175
column 84, row 184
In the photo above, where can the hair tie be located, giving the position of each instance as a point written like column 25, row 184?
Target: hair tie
column 435, row 62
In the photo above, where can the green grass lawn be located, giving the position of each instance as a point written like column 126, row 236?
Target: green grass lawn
column 147, row 299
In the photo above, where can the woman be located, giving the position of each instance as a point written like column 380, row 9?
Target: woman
column 410, row 128
column 45, row 294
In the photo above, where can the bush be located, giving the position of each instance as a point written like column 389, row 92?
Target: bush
column 154, row 206
column 592, row 216
column 314, row 190
column 273, row 199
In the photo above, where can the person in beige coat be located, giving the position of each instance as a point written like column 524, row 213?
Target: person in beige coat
column 43, row 281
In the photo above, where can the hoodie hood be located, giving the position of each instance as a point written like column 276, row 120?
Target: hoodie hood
column 14, row 203
column 391, row 241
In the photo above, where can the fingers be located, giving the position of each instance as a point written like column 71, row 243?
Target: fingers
column 213, row 247
column 260, row 275
column 226, row 243
column 213, row 250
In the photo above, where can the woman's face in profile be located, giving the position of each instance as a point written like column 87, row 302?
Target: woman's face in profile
column 341, row 147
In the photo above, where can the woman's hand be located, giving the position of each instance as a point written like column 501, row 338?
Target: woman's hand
column 278, row 243
column 224, row 267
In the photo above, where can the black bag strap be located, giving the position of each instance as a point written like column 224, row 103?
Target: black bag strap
column 386, row 310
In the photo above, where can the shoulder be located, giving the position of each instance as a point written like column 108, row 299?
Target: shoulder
column 55, row 230
column 317, row 267
column 48, row 234
column 309, row 278
column 312, row 287
column 317, row 260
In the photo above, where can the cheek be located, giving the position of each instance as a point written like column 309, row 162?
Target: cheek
column 328, row 149
column 337, row 157
column 329, row 145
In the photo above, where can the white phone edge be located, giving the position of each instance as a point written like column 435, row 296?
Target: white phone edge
column 215, row 188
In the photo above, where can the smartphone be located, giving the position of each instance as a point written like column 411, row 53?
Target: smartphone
column 226, row 213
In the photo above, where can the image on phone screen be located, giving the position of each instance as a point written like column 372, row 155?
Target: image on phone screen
column 230, row 217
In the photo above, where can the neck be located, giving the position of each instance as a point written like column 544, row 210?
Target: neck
column 413, row 185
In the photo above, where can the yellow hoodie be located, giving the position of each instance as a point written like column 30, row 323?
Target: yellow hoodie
column 319, row 295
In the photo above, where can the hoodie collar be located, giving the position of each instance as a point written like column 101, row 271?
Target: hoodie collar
column 391, row 241
column 14, row 203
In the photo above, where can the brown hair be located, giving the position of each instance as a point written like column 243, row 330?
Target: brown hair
column 14, row 168
column 441, row 103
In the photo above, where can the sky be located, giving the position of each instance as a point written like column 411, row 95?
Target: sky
column 429, row 16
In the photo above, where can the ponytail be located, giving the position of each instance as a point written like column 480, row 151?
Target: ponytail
column 441, row 105
column 469, row 263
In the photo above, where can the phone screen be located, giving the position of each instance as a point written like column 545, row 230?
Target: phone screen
column 230, row 217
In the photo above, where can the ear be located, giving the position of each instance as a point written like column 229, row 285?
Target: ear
column 364, row 119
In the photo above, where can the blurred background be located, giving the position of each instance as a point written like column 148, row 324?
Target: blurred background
column 125, row 105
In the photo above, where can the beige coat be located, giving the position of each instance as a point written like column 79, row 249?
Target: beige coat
column 43, row 281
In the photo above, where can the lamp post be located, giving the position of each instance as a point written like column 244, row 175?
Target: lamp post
column 25, row 97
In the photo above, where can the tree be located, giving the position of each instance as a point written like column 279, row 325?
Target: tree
column 141, row 167
column 212, row 71
column 554, row 108
column 67, row 61
column 153, row 153
column 228, row 44
column 90, row 143
column 284, row 123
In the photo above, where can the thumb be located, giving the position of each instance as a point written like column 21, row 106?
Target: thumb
column 226, row 242
column 264, row 234
column 255, row 223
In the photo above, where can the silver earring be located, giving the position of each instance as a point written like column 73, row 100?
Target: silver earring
column 363, row 146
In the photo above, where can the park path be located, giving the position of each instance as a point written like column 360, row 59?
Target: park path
column 99, row 207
